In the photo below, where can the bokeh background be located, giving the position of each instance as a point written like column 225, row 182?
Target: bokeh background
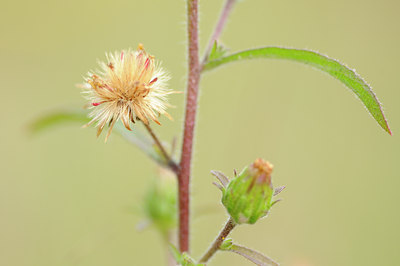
column 66, row 198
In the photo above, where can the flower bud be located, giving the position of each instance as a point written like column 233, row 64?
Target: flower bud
column 160, row 202
column 248, row 196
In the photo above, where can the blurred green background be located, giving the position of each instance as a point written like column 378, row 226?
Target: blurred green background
column 66, row 197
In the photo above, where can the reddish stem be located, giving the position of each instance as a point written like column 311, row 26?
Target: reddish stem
column 190, row 121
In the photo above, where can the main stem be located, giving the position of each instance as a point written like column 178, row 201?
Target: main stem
column 190, row 121
column 230, row 224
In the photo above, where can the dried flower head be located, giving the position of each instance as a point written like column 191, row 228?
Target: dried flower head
column 130, row 86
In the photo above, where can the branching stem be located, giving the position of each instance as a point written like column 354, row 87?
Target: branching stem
column 219, row 28
column 174, row 167
column 230, row 224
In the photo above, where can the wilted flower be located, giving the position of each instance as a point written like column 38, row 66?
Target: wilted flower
column 129, row 86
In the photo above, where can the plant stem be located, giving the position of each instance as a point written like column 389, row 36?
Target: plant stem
column 174, row 167
column 230, row 224
column 190, row 121
column 219, row 27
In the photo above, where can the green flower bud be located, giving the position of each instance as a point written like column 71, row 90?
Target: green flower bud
column 248, row 196
column 160, row 202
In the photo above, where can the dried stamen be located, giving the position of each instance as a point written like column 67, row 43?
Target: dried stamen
column 97, row 104
column 146, row 64
column 153, row 80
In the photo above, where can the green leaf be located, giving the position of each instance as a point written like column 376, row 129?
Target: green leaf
column 217, row 51
column 135, row 137
column 182, row 259
column 252, row 255
column 337, row 70
column 175, row 253
column 59, row 117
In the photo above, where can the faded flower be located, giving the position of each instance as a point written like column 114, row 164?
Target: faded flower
column 130, row 86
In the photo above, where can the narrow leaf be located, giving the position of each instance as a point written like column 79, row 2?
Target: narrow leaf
column 63, row 117
column 182, row 259
column 175, row 253
column 337, row 70
column 60, row 117
column 217, row 51
column 252, row 255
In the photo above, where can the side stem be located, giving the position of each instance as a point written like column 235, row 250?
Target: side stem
column 174, row 167
column 219, row 27
column 189, row 125
column 230, row 224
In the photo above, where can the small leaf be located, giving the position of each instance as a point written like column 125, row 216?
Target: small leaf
column 176, row 254
column 136, row 137
column 217, row 51
column 337, row 70
column 56, row 118
column 182, row 259
column 226, row 245
column 252, row 255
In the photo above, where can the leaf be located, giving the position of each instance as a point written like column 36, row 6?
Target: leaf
column 60, row 117
column 217, row 51
column 63, row 117
column 252, row 255
column 182, row 259
column 227, row 244
column 175, row 253
column 337, row 70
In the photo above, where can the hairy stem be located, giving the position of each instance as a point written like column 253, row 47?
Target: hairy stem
column 230, row 224
column 190, row 121
column 174, row 167
column 219, row 27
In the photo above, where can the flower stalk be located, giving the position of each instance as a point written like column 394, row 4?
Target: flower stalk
column 230, row 224
column 170, row 162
